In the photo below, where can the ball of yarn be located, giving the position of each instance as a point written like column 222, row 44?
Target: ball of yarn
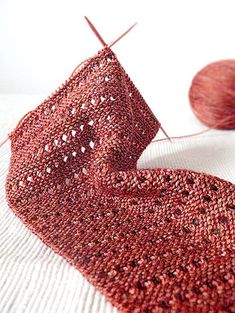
column 212, row 95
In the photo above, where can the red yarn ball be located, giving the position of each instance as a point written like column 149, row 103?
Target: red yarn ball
column 212, row 95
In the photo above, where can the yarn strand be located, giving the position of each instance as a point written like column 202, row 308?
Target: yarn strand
column 185, row 136
column 190, row 135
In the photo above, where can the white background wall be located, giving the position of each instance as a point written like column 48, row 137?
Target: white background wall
column 41, row 42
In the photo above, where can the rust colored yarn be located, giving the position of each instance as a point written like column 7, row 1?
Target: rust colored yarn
column 212, row 94
column 151, row 240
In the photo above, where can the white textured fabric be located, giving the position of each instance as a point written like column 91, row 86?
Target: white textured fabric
column 33, row 279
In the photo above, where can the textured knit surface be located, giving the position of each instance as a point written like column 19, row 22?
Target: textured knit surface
column 150, row 240
column 33, row 279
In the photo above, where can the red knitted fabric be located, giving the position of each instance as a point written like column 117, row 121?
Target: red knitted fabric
column 150, row 240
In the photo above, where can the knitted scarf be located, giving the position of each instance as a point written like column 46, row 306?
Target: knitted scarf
column 151, row 240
